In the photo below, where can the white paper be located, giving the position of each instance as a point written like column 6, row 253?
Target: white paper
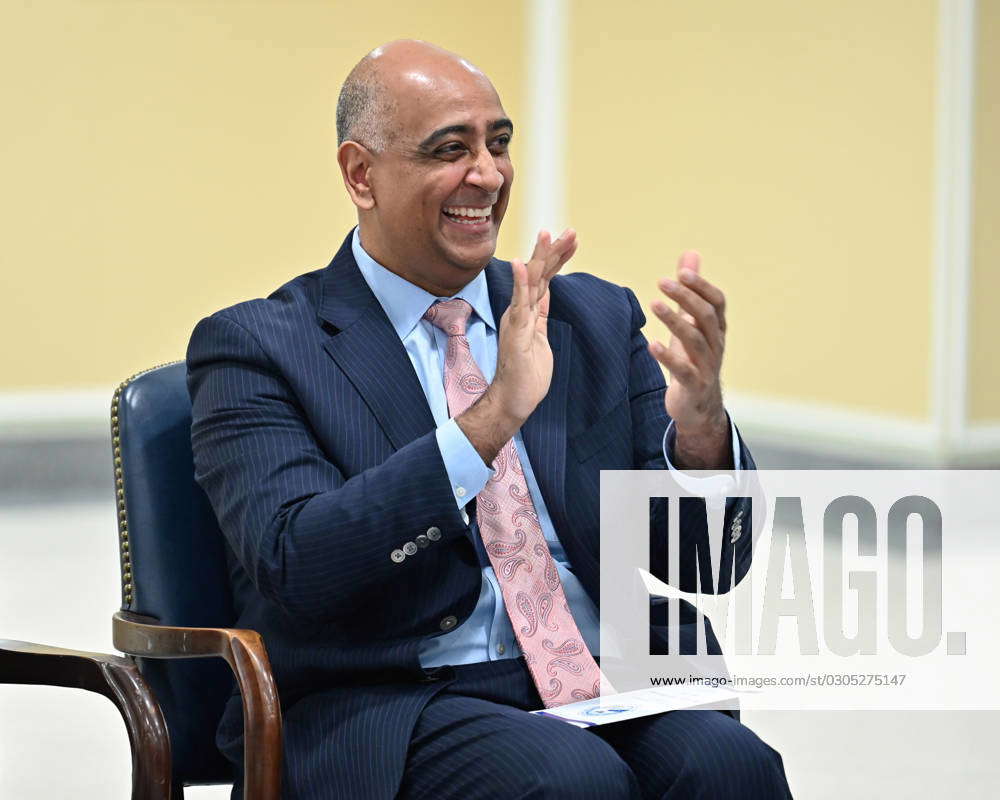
column 638, row 703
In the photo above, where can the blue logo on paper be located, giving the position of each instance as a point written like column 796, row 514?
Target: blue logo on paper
column 607, row 711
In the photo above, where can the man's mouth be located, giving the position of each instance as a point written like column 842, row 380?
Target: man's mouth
column 468, row 215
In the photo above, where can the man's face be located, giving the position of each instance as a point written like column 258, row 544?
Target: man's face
column 442, row 185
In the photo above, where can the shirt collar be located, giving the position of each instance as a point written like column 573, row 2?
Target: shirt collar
column 405, row 303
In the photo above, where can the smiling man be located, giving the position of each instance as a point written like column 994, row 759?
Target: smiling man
column 437, row 213
column 403, row 451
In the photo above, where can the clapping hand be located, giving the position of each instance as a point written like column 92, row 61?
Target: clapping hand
column 694, row 360
column 524, row 360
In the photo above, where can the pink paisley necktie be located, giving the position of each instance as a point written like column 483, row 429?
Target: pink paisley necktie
column 562, row 667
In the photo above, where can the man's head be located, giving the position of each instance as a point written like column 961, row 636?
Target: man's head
column 423, row 148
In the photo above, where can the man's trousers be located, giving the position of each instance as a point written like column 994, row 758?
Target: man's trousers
column 474, row 740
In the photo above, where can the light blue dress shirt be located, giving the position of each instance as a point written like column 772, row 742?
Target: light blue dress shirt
column 487, row 635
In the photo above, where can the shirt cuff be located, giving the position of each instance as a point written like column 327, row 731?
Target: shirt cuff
column 466, row 471
column 715, row 489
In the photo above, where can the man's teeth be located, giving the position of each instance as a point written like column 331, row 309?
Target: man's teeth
column 471, row 213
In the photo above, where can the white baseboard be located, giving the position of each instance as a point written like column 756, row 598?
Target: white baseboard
column 860, row 435
column 836, row 431
column 51, row 414
column 981, row 441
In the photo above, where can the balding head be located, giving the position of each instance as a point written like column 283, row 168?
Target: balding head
column 424, row 153
column 398, row 71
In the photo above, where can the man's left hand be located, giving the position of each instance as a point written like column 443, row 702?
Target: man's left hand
column 694, row 359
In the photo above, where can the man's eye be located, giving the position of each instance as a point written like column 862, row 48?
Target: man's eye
column 500, row 144
column 450, row 149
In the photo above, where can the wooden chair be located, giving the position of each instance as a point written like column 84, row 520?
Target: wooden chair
column 174, row 625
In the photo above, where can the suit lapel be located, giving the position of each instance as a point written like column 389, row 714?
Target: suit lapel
column 370, row 353
column 544, row 432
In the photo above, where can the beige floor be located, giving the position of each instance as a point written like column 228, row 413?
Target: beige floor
column 59, row 585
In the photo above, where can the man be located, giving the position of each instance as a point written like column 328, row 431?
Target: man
column 403, row 451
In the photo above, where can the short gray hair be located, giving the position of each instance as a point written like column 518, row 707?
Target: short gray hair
column 364, row 109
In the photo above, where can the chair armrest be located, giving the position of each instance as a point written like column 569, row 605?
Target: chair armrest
column 116, row 678
column 245, row 653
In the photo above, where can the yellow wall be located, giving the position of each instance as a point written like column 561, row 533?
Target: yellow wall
column 792, row 143
column 161, row 160
column 984, row 333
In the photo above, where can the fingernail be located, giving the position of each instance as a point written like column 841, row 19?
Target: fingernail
column 669, row 285
column 687, row 276
column 689, row 259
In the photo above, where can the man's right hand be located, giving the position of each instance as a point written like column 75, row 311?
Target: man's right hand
column 524, row 358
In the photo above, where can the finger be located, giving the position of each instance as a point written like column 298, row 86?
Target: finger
column 543, row 310
column 708, row 291
column 689, row 272
column 544, row 285
column 680, row 368
column 567, row 247
column 690, row 336
column 567, row 256
column 700, row 311
column 543, row 244
column 539, row 263
column 520, row 298
column 550, row 256
column 690, row 260
column 562, row 251
column 566, row 236
column 559, row 256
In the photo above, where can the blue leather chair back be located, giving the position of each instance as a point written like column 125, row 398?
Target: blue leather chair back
column 173, row 559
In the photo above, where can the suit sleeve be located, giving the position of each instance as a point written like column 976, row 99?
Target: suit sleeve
column 312, row 541
column 647, row 389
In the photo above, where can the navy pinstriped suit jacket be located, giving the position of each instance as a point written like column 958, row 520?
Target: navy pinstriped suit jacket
column 316, row 447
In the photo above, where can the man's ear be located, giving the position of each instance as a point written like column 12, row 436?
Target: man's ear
column 355, row 164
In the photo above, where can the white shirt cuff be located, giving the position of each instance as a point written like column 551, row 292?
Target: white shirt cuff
column 715, row 489
column 466, row 470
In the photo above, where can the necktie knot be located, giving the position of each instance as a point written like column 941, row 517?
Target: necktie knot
column 451, row 316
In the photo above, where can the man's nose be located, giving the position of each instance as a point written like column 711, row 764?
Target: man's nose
column 484, row 173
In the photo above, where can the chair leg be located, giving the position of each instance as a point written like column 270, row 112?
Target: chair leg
column 116, row 678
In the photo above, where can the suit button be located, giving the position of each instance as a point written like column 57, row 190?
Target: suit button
column 433, row 534
column 409, row 548
column 448, row 623
column 422, row 541
column 397, row 555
